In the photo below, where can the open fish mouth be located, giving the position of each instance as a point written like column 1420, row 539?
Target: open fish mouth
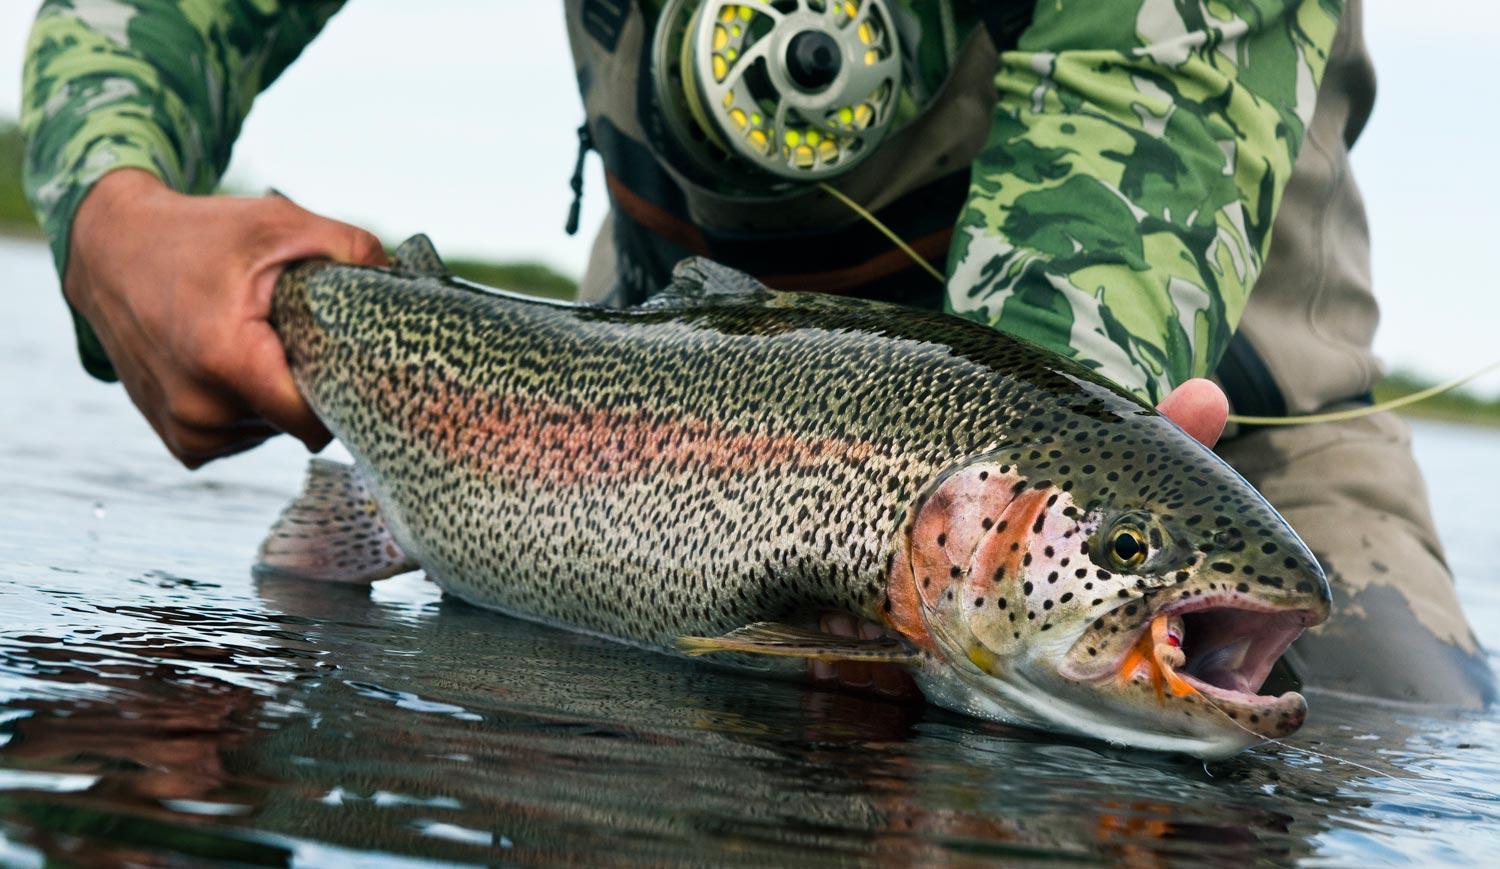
column 1221, row 654
column 1227, row 653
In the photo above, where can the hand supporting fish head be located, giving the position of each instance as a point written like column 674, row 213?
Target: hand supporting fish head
column 1074, row 593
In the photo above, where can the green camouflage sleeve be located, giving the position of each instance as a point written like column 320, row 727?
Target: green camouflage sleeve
column 159, row 85
column 1121, row 209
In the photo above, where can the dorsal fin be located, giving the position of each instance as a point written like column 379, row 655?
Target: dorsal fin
column 417, row 256
column 697, row 280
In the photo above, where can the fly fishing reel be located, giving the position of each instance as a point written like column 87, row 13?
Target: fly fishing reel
column 766, row 91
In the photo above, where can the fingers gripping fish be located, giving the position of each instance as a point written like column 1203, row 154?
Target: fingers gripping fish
column 706, row 473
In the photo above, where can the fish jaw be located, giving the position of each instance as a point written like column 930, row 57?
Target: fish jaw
column 1227, row 645
column 1149, row 702
column 1047, row 705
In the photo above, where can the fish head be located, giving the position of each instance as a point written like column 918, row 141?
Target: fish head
column 1132, row 588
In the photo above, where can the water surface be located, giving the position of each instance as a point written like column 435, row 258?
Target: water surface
column 158, row 705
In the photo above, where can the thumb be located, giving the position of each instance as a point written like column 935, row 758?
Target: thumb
column 301, row 234
column 345, row 243
column 1199, row 408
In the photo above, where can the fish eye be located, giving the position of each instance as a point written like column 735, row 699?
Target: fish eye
column 1127, row 547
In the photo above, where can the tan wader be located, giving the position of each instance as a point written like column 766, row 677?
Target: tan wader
column 1352, row 490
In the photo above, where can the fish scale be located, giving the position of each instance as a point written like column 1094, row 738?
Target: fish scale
column 725, row 455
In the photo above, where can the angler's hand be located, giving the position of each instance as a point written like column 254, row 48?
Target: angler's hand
column 1199, row 408
column 178, row 289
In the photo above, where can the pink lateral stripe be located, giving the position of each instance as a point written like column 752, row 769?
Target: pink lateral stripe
column 562, row 444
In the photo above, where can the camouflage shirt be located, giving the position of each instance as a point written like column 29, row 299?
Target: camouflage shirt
column 1119, row 214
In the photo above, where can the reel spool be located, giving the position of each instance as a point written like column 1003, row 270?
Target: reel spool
column 799, row 90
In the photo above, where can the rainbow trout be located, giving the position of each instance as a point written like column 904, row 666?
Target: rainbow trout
column 708, row 472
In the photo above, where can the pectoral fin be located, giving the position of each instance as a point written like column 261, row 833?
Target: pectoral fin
column 333, row 532
column 786, row 641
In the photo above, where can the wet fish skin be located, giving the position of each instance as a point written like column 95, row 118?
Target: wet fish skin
column 726, row 455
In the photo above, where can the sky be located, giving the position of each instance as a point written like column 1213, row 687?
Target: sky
column 457, row 118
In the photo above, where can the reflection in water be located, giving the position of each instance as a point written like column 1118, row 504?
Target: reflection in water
column 412, row 726
column 156, row 705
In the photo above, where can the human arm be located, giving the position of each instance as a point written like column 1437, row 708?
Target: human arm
column 127, row 107
column 1122, row 207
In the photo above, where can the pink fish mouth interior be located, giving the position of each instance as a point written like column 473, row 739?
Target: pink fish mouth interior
column 1230, row 651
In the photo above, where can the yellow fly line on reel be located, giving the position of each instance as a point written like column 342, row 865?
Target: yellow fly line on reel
column 777, row 91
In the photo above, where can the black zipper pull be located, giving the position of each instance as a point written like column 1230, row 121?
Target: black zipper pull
column 585, row 145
